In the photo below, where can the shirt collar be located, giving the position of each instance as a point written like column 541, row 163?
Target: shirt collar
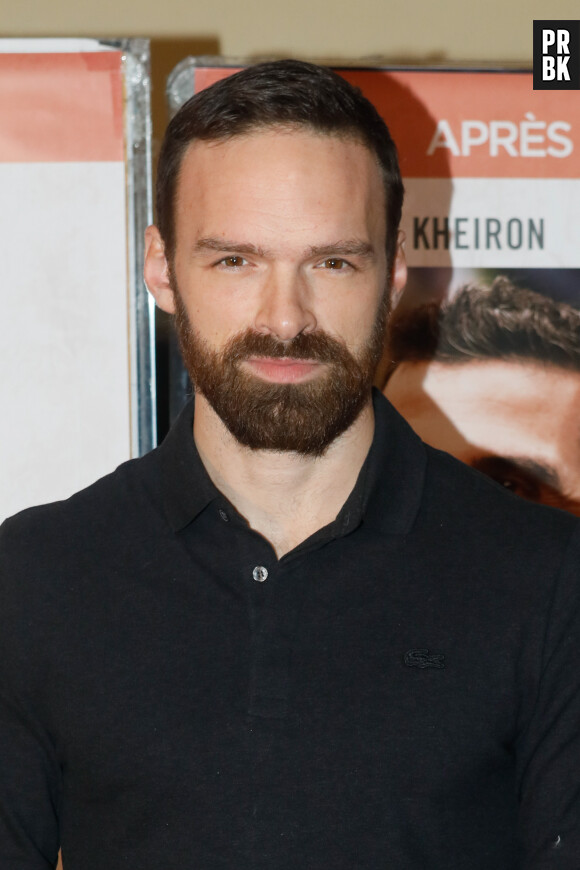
column 186, row 486
column 387, row 493
column 395, row 471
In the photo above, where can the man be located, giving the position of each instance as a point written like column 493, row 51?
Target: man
column 292, row 636
column 493, row 377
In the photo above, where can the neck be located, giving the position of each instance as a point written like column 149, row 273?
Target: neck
column 286, row 497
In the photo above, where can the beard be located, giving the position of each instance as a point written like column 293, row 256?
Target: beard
column 301, row 417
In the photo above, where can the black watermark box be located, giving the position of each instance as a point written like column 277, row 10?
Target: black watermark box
column 557, row 55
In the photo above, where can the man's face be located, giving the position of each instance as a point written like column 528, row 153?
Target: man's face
column 280, row 281
column 517, row 422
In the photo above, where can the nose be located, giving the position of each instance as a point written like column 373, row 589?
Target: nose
column 285, row 309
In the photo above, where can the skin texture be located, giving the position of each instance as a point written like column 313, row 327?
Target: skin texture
column 518, row 422
column 281, row 232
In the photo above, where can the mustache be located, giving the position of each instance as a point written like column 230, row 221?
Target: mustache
column 312, row 346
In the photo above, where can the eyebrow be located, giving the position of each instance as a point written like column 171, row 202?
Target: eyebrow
column 348, row 248
column 221, row 245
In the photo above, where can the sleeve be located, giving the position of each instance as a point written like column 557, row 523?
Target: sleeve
column 548, row 752
column 29, row 769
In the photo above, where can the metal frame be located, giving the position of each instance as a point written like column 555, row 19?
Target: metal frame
column 136, row 62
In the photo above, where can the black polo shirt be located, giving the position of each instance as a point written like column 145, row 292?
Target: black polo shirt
column 399, row 691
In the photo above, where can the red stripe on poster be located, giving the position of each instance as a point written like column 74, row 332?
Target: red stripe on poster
column 61, row 107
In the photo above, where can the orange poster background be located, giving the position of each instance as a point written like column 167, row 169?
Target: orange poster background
column 413, row 101
column 61, row 107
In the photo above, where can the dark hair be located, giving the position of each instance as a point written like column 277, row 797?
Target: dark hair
column 483, row 323
column 286, row 92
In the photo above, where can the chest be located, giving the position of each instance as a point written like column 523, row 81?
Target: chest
column 347, row 656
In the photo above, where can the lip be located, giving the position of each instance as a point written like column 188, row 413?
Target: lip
column 283, row 370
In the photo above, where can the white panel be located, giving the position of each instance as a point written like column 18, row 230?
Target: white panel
column 492, row 222
column 63, row 338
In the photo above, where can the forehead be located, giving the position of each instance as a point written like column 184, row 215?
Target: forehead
column 513, row 408
column 281, row 141
column 506, row 384
column 277, row 177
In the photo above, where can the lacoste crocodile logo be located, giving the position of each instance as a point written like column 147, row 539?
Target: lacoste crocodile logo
column 420, row 658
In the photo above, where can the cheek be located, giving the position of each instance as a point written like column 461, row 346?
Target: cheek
column 354, row 314
column 217, row 317
column 201, row 302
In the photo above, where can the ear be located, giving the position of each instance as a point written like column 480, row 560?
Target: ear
column 156, row 270
column 399, row 272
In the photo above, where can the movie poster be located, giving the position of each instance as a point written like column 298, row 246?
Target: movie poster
column 484, row 352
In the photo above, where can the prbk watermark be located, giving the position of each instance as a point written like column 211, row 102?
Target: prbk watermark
column 556, row 55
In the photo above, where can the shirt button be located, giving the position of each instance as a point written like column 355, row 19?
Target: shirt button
column 260, row 573
column 223, row 515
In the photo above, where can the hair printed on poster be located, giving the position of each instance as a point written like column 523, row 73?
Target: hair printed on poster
column 489, row 371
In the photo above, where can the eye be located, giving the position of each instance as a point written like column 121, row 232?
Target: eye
column 517, row 479
column 522, row 486
column 335, row 263
column 232, row 262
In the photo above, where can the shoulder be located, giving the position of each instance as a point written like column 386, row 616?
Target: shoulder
column 99, row 505
column 497, row 543
column 459, row 506
column 63, row 566
column 454, row 489
column 137, row 494
column 47, row 550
